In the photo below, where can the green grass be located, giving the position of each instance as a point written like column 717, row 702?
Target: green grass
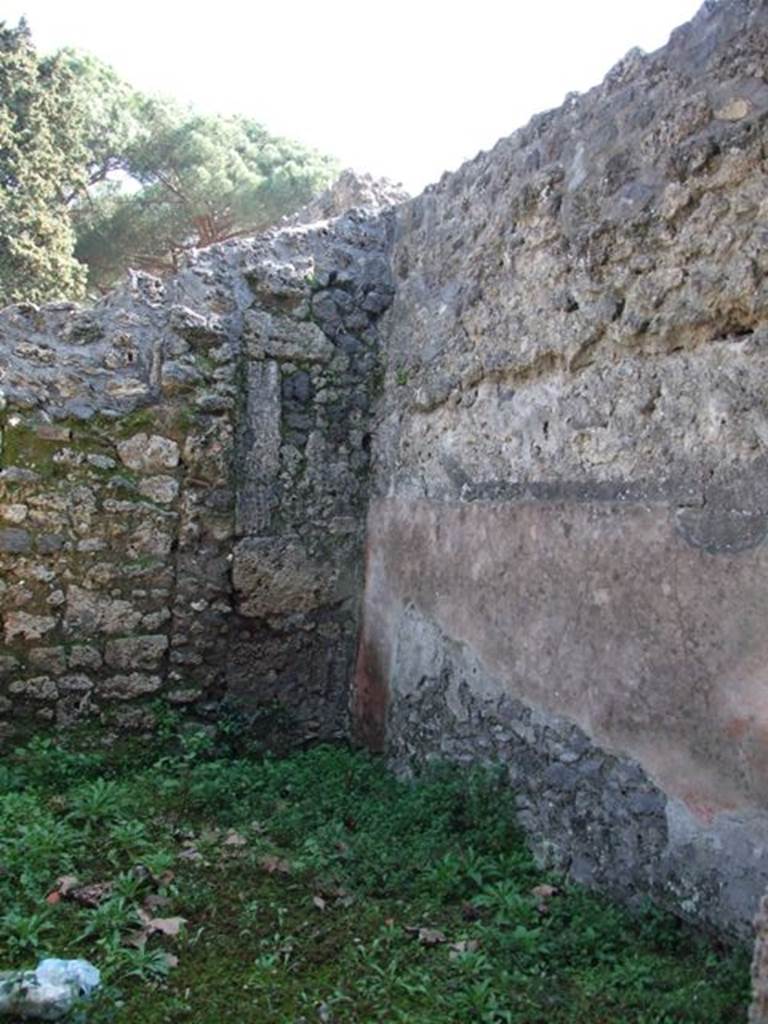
column 305, row 882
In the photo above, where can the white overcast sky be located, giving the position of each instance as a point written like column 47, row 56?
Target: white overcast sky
column 397, row 88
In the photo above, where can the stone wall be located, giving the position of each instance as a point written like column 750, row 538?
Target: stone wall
column 542, row 386
column 183, row 484
column 566, row 558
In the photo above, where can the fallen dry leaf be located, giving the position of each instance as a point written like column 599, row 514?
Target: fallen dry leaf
column 427, row 936
column 171, row 960
column 319, row 902
column 335, row 892
column 463, row 946
column 544, row 892
column 233, row 838
column 170, row 926
column 273, row 864
column 154, row 901
column 53, row 897
column 91, row 895
column 166, row 925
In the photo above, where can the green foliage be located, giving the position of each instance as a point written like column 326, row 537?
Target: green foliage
column 97, row 176
column 44, row 762
column 306, row 884
column 191, row 180
column 23, row 933
column 42, row 161
column 96, row 802
column 112, row 114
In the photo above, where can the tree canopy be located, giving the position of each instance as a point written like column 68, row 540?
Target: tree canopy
column 42, row 162
column 97, row 177
column 189, row 180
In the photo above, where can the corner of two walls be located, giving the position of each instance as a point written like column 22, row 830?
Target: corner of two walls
column 310, row 374
column 547, row 394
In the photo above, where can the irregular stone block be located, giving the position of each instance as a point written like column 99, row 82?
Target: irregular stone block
column 127, row 387
column 148, row 539
column 18, row 475
column 133, row 719
column 177, row 378
column 74, row 684
column 274, row 576
column 49, row 543
column 162, row 489
column 154, row 620
column 48, row 659
column 85, row 656
column 38, row 688
column 49, row 992
column 201, row 331
column 139, row 652
column 14, row 541
column 8, row 666
column 183, row 696
column 148, row 454
column 53, row 432
column 274, row 336
column 100, row 461
column 735, row 110
column 91, row 544
column 127, row 687
column 92, row 612
column 15, row 513
column 27, row 626
column 73, row 708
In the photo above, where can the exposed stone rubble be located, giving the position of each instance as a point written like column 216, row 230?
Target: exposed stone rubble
column 183, row 484
column 348, row 192
column 536, row 393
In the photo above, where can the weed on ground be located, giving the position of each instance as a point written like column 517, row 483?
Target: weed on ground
column 318, row 888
